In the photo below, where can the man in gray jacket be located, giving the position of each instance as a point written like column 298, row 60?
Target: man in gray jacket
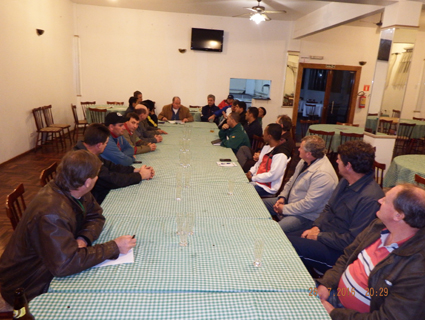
column 309, row 189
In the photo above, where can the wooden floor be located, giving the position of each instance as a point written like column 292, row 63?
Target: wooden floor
column 26, row 169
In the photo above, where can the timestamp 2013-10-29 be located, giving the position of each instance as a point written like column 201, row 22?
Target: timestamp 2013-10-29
column 342, row 292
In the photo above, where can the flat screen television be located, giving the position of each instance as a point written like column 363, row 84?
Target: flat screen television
column 207, row 40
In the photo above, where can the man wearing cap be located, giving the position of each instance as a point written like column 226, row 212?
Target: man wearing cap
column 175, row 111
column 118, row 150
column 227, row 102
column 224, row 110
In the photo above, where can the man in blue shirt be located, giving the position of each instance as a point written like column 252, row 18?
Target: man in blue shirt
column 118, row 150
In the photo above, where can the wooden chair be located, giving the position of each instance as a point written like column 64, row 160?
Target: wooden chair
column 78, row 123
column 284, row 179
column 372, row 114
column 84, row 106
column 116, row 103
column 311, row 111
column 48, row 174
column 45, row 133
column 15, row 205
column 257, row 143
column 396, row 113
column 327, row 136
column 345, row 136
column 384, row 126
column 48, row 116
column 420, row 119
column 379, row 169
column 420, row 181
column 97, row 115
column 195, row 107
column 403, row 141
column 347, row 124
column 305, row 125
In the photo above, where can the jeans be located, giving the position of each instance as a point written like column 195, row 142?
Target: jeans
column 289, row 224
column 261, row 192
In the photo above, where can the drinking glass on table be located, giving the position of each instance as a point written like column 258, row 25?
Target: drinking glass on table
column 258, row 252
column 187, row 176
column 183, row 234
column 231, row 187
column 182, row 158
column 179, row 221
column 190, row 221
column 178, row 192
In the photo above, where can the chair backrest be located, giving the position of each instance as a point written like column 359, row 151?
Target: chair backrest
column 74, row 113
column 87, row 102
column 327, row 136
column 195, row 107
column 15, row 205
column 347, row 124
column 405, row 130
column 420, row 181
column 420, row 119
column 84, row 105
column 257, row 143
column 311, row 111
column 345, row 136
column 115, row 103
column 396, row 113
column 305, row 124
column 38, row 118
column 48, row 174
column 372, row 114
column 48, row 116
column 384, row 126
column 378, row 169
column 97, row 115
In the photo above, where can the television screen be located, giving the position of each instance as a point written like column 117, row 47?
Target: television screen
column 207, row 40
column 384, row 50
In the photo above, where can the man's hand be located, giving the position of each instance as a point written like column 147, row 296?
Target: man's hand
column 125, row 243
column 256, row 156
column 152, row 171
column 249, row 175
column 164, row 119
column 145, row 172
column 81, row 242
column 278, row 206
column 152, row 146
column 185, row 120
column 323, row 292
column 211, row 118
column 162, row 131
column 311, row 233
column 158, row 138
column 327, row 306
column 224, row 114
column 225, row 126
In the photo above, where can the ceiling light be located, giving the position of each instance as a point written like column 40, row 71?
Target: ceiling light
column 257, row 18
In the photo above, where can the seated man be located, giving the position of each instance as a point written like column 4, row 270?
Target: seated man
column 350, row 209
column 252, row 126
column 232, row 134
column 209, row 109
column 240, row 108
column 132, row 103
column 152, row 119
column 175, row 111
column 55, row 235
column 267, row 174
column 307, row 191
column 381, row 274
column 138, row 144
column 143, row 131
column 111, row 176
column 227, row 102
column 118, row 150
column 261, row 113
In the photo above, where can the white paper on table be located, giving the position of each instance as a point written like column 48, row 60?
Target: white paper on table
column 226, row 164
column 176, row 122
column 122, row 258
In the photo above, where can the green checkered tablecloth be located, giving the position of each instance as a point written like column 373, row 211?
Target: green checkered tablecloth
column 219, row 258
column 291, row 306
column 417, row 133
column 214, row 277
column 336, row 140
column 403, row 169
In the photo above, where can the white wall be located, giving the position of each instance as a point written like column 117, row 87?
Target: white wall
column 34, row 70
column 345, row 45
column 123, row 50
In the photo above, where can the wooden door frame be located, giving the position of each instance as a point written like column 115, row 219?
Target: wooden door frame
column 353, row 95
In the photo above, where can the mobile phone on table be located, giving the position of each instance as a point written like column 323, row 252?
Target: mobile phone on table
column 137, row 161
column 224, row 160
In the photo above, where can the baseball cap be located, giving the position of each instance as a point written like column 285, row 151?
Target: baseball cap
column 230, row 96
column 114, row 118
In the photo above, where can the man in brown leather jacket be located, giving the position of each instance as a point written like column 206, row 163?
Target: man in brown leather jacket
column 55, row 234
column 381, row 274
column 175, row 111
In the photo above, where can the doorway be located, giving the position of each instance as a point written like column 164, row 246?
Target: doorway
column 326, row 93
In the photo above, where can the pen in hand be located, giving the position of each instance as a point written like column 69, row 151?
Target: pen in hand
column 134, row 236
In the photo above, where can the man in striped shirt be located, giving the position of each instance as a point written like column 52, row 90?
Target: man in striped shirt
column 382, row 273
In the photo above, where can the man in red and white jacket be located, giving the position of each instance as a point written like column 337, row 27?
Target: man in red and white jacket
column 267, row 173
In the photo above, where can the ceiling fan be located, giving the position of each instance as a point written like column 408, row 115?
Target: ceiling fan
column 258, row 13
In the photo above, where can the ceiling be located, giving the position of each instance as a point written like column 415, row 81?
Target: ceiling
column 226, row 8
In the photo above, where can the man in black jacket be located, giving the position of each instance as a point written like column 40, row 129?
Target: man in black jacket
column 252, row 126
column 111, row 176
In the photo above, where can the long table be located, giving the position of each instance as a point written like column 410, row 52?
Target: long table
column 403, row 169
column 213, row 277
